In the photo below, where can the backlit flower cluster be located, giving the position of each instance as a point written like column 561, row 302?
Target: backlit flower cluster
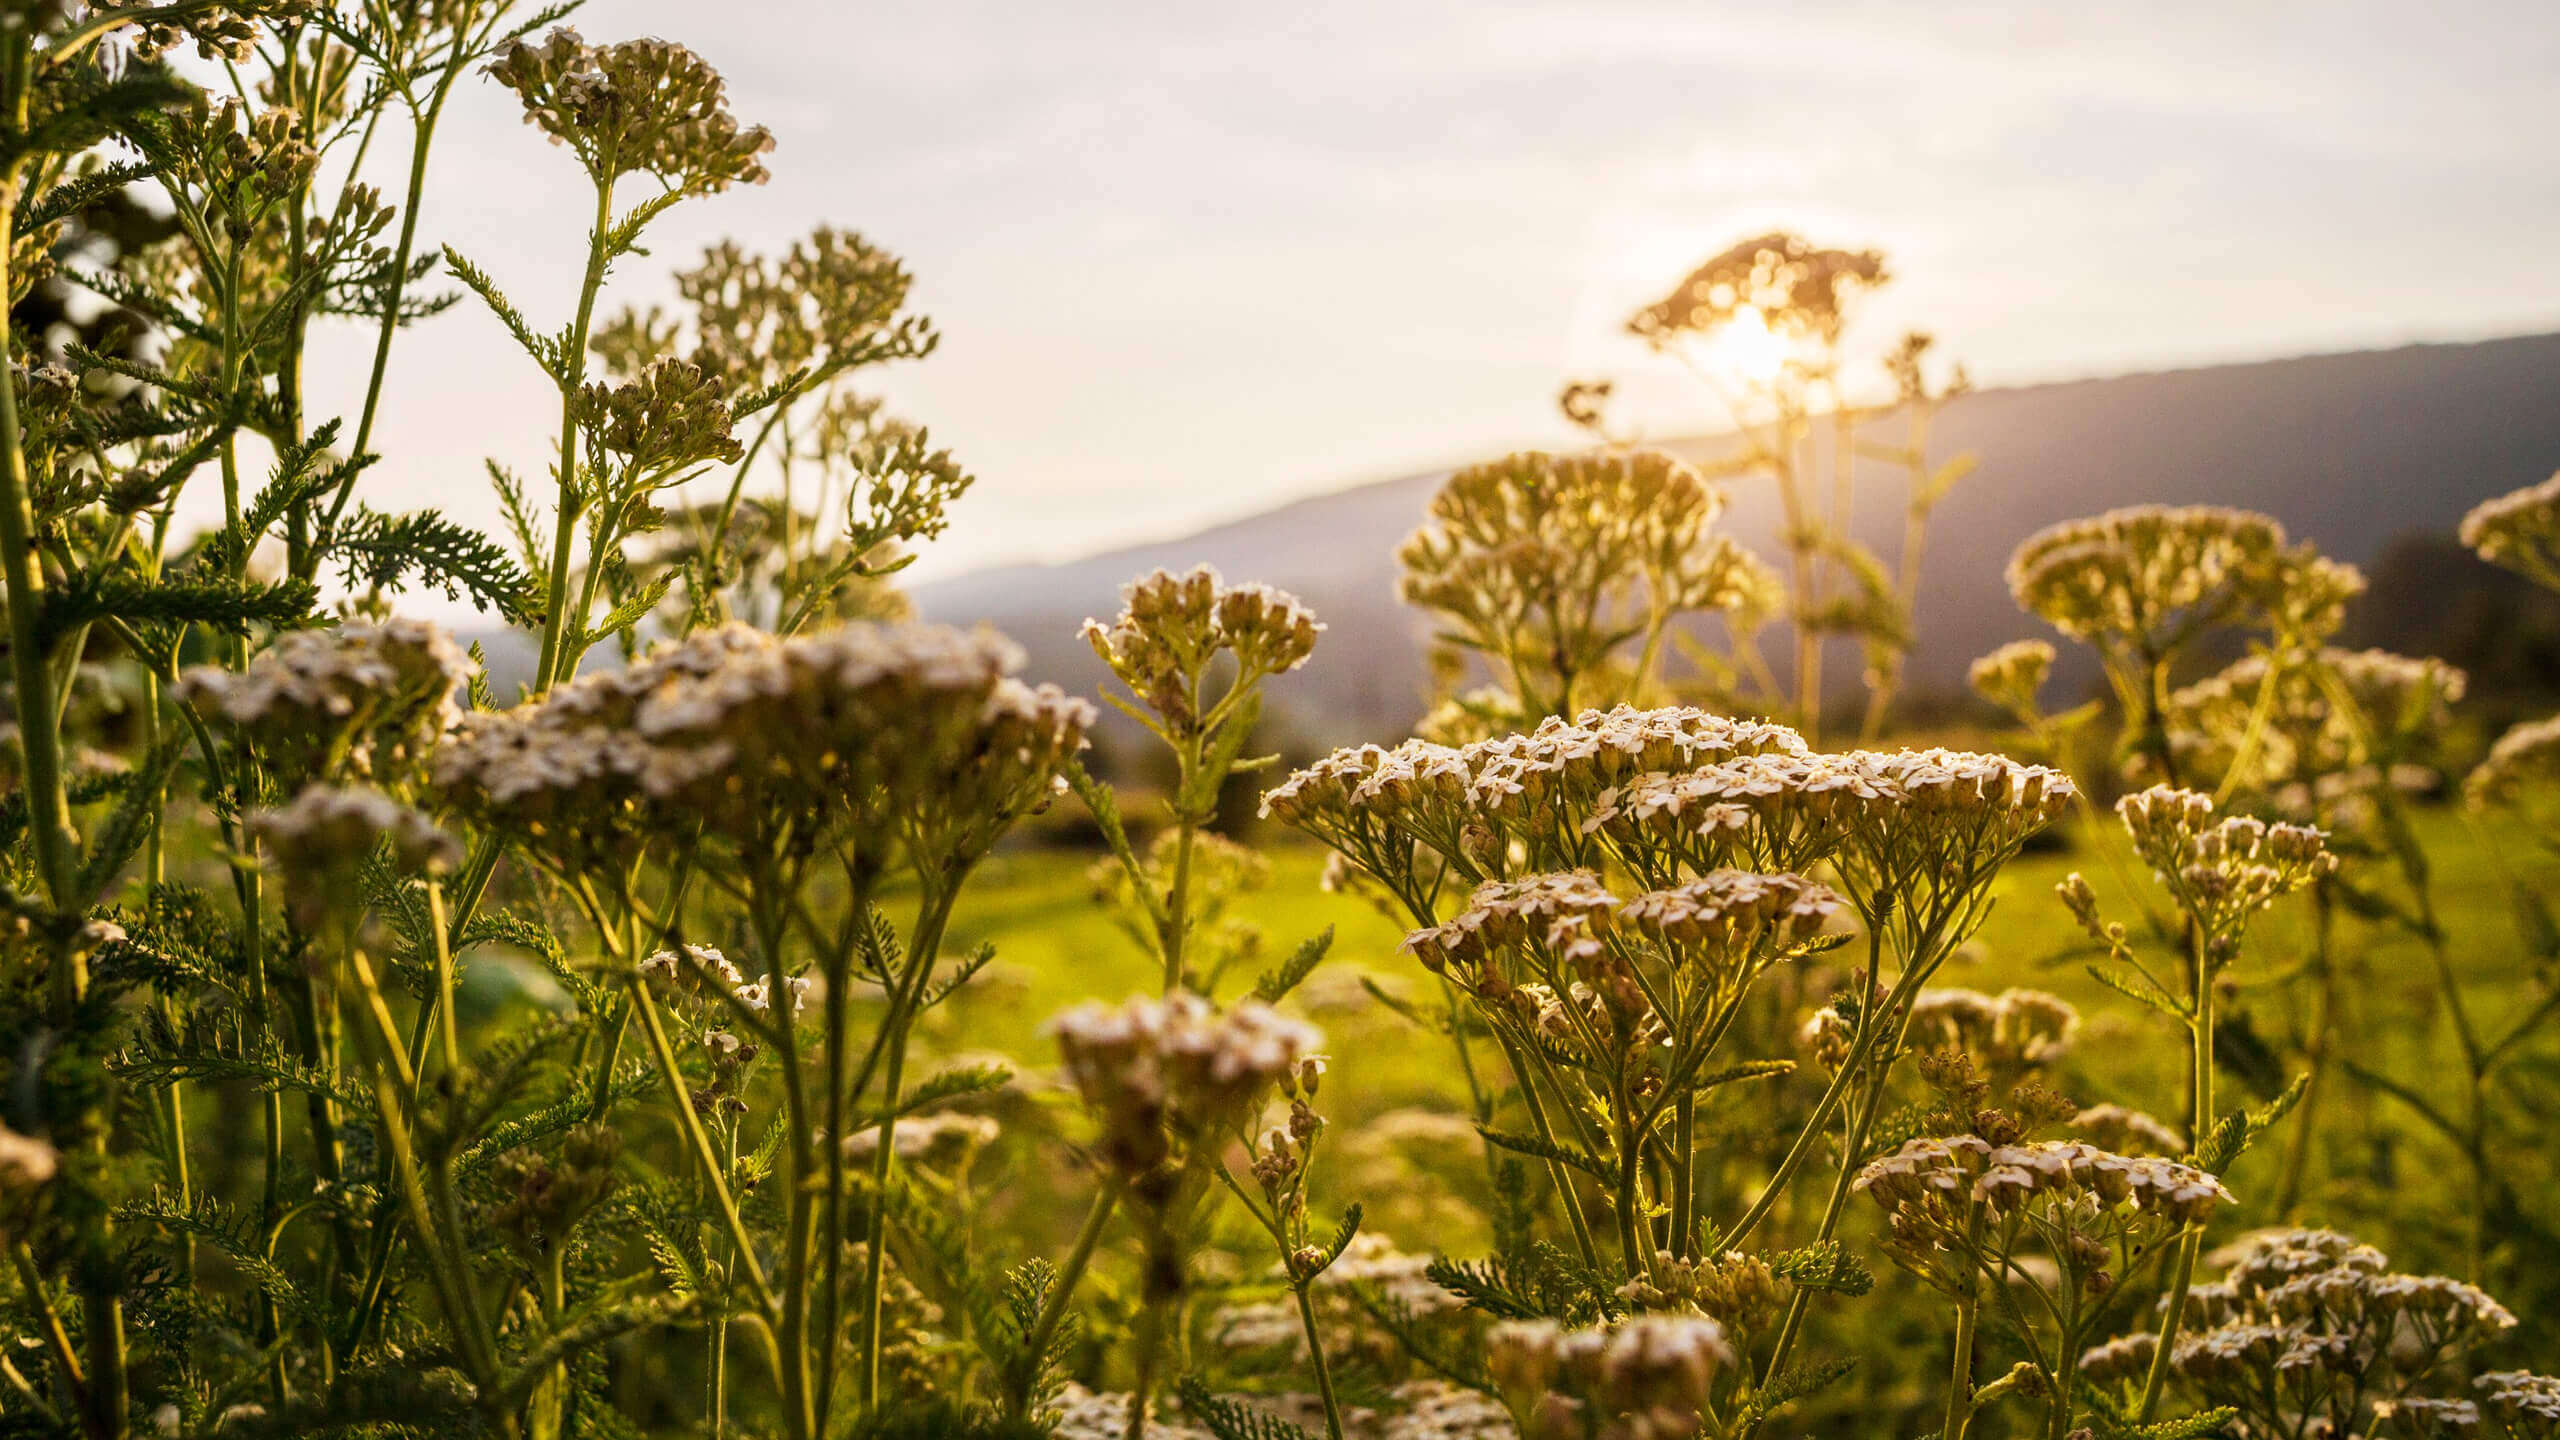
column 1159, row 1075
column 2224, row 871
column 2332, row 724
column 1737, row 1291
column 913, row 734
column 1171, row 627
column 2140, row 583
column 2310, row 1326
column 2519, row 530
column 362, row 700
column 2014, row 1029
column 640, row 107
column 2128, row 1131
column 2523, row 766
column 1672, row 793
column 1544, row 564
column 2012, row 676
column 1647, row 1378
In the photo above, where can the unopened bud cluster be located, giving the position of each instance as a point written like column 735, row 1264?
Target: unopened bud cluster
column 1172, row 627
column 643, row 106
column 2224, row 871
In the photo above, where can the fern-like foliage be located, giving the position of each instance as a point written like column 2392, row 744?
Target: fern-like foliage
column 1233, row 1419
column 381, row 551
column 232, row 607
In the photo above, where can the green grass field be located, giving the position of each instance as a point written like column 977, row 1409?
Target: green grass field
column 1395, row 1090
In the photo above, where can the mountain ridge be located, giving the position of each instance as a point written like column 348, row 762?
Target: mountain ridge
column 2352, row 450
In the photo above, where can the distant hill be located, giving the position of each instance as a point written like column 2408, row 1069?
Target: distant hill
column 2353, row 451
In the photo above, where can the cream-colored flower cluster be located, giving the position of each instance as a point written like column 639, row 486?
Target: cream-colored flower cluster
column 2302, row 746
column 323, row 838
column 939, row 1140
column 2220, row 871
column 2012, row 677
column 2128, row 1131
column 1159, row 1075
column 1724, row 919
column 362, row 700
column 1647, row 1378
column 2015, row 1028
column 911, row 732
column 1738, row 1291
column 640, row 107
column 1673, row 793
column 2528, row 1405
column 1171, row 627
column 2524, row 763
column 1925, row 1185
column 1507, row 537
column 2310, row 1324
column 2519, row 530
column 2145, row 580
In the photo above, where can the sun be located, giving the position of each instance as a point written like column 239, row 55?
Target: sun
column 1744, row 350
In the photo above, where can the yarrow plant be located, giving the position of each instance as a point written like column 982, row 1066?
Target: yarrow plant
column 394, row 1043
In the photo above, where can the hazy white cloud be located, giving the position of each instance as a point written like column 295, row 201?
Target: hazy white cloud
column 1192, row 259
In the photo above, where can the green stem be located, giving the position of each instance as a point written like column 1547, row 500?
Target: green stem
column 573, row 370
column 2200, row 1048
column 1323, row 1368
column 923, row 948
column 1053, row 1306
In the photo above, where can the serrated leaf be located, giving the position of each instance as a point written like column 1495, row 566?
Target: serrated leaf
column 2133, row 986
column 1541, row 1149
column 1302, row 962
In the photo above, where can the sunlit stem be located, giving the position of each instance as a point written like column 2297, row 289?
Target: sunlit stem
column 572, row 373
column 2200, row 1050
column 923, row 948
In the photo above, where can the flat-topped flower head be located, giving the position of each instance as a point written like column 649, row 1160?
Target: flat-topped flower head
column 2522, row 768
column 1725, row 921
column 1540, row 563
column 1650, row 1375
column 2519, row 530
column 323, row 839
column 2309, row 1322
column 1563, row 913
column 2221, row 871
column 1931, row 828
column 640, row 107
column 2012, row 676
column 2128, row 1131
column 1930, row 1187
column 2142, row 582
column 2526, row 1403
column 2013, row 1029
column 2305, row 743
column 362, row 700
column 912, row 733
column 1158, row 1075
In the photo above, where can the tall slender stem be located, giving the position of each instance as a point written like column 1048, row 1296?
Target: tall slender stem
column 573, row 371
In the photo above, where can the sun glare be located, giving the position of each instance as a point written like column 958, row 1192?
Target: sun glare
column 1744, row 350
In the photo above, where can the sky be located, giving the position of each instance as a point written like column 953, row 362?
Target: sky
column 1191, row 260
